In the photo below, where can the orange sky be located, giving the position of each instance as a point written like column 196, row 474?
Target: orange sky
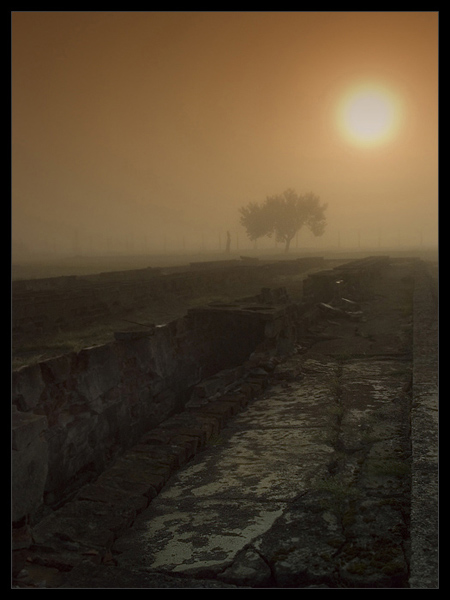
column 157, row 127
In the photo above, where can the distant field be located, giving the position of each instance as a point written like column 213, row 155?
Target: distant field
column 86, row 265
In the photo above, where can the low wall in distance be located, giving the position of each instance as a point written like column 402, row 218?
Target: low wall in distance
column 353, row 278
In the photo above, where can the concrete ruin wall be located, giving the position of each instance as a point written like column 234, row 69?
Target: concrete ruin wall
column 72, row 415
column 353, row 277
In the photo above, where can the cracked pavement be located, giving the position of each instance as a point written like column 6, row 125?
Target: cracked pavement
column 307, row 486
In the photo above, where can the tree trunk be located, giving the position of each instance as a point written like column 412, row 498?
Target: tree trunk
column 288, row 243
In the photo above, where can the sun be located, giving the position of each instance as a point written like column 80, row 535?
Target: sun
column 369, row 115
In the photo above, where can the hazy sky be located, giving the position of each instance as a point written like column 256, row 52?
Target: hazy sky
column 157, row 126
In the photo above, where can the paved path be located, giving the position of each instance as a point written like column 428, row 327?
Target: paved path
column 309, row 485
column 278, row 500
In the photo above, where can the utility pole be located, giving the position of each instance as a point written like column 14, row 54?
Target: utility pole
column 76, row 243
column 228, row 245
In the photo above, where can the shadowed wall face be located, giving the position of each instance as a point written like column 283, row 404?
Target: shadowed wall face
column 75, row 413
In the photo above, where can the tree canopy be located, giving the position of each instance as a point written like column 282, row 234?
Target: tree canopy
column 283, row 216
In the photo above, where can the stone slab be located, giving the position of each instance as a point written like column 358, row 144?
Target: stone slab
column 199, row 537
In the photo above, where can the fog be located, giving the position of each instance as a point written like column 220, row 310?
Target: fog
column 145, row 132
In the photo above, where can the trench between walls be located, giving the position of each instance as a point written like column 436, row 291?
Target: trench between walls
column 74, row 415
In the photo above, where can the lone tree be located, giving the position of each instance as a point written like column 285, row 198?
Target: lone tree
column 283, row 215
